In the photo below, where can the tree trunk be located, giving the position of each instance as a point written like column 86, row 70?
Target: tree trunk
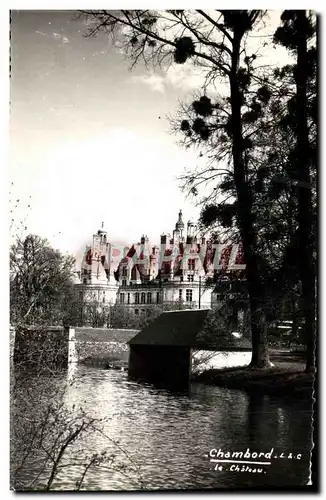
column 305, row 210
column 260, row 353
column 295, row 322
column 260, row 356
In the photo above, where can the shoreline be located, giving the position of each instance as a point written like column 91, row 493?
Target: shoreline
column 281, row 380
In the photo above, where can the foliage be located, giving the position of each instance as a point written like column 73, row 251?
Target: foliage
column 226, row 319
column 40, row 282
column 247, row 134
column 298, row 34
column 216, row 42
column 123, row 316
column 94, row 314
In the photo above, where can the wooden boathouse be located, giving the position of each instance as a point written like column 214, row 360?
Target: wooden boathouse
column 161, row 352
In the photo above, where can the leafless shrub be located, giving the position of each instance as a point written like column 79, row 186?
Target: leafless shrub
column 47, row 437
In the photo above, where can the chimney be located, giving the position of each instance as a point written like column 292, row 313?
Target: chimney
column 163, row 239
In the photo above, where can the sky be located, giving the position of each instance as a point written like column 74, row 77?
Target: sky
column 89, row 141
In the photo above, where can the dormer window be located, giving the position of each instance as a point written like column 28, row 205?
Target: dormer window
column 191, row 264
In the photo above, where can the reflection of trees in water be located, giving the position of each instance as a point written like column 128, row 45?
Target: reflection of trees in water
column 261, row 423
column 167, row 434
column 284, row 426
column 222, row 425
column 255, row 419
column 279, row 421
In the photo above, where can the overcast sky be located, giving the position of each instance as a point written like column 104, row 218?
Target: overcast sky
column 87, row 143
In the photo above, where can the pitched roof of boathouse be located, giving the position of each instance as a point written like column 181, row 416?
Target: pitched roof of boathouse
column 188, row 328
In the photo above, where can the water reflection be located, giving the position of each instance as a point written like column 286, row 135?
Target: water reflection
column 164, row 439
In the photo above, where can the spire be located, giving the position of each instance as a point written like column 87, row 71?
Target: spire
column 180, row 225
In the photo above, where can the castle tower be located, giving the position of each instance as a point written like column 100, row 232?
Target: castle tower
column 191, row 227
column 179, row 227
column 100, row 258
column 144, row 253
column 97, row 285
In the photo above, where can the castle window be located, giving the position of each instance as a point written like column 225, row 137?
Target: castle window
column 136, row 298
column 189, row 295
column 134, row 273
column 128, row 298
column 136, row 312
column 191, row 264
column 190, row 277
column 180, row 294
column 124, row 271
column 157, row 297
column 166, row 267
column 122, row 298
column 143, row 298
column 149, row 298
column 124, row 282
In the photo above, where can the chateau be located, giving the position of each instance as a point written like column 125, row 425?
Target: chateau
column 172, row 275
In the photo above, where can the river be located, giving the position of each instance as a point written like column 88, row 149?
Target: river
column 161, row 440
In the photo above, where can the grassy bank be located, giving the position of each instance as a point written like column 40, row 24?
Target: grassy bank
column 103, row 347
column 285, row 378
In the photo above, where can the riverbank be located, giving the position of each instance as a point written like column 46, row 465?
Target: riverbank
column 285, row 378
column 103, row 347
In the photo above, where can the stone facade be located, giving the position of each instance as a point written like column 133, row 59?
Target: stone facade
column 171, row 276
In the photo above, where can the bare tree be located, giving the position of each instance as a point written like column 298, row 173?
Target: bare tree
column 40, row 278
column 48, row 437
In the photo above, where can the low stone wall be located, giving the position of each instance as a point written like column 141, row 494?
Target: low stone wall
column 54, row 347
